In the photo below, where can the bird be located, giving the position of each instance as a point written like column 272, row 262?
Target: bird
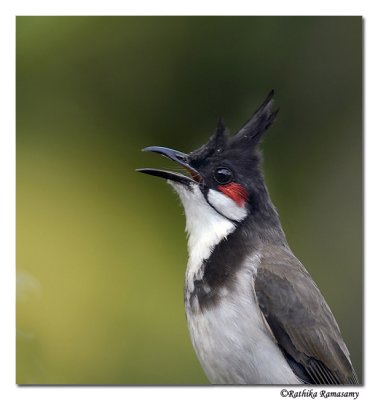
column 254, row 314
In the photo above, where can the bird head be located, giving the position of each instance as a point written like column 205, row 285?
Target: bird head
column 224, row 174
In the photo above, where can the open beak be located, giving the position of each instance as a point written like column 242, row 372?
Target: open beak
column 181, row 158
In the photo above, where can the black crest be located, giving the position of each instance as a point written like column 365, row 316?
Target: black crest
column 247, row 137
column 216, row 143
column 252, row 131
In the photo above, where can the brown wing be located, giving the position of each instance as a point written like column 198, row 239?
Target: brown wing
column 301, row 320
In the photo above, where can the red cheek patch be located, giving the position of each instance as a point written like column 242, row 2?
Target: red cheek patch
column 236, row 192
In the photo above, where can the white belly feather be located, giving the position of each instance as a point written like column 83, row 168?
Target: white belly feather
column 233, row 342
column 231, row 339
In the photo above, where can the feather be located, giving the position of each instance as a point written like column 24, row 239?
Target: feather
column 251, row 132
column 300, row 319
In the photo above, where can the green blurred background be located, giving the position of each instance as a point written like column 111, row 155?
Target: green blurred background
column 101, row 250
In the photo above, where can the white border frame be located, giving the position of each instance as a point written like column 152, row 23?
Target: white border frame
column 8, row 12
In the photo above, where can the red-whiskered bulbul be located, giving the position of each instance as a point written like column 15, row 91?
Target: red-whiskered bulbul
column 254, row 313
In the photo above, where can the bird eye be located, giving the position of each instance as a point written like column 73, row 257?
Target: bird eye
column 223, row 175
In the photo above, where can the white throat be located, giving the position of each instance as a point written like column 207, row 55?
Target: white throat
column 204, row 225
